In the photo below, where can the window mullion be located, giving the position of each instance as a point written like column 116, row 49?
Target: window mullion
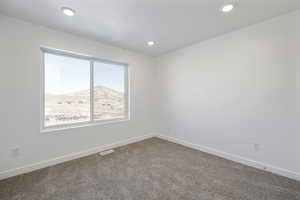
column 92, row 90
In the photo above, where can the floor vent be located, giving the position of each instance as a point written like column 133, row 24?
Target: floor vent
column 104, row 153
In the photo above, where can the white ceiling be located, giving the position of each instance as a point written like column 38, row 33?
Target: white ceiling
column 172, row 24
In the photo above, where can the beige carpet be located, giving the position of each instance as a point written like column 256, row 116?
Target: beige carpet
column 151, row 169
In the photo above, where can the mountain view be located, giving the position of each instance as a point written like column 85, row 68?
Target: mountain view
column 75, row 107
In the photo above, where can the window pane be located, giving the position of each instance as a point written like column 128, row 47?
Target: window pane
column 67, row 90
column 109, row 101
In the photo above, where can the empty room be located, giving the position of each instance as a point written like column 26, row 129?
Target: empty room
column 150, row 100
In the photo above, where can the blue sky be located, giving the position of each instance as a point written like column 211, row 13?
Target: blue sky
column 65, row 74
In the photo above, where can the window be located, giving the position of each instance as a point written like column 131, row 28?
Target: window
column 82, row 90
column 108, row 91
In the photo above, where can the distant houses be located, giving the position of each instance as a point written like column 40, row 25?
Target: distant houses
column 71, row 102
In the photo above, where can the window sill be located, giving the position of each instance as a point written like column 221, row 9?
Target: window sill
column 81, row 125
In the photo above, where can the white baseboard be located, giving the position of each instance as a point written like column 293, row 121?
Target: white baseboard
column 235, row 158
column 54, row 161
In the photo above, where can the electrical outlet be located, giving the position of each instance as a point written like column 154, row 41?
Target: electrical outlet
column 15, row 151
column 169, row 130
column 257, row 147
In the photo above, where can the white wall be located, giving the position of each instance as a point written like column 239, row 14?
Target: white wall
column 20, row 70
column 225, row 94
column 229, row 93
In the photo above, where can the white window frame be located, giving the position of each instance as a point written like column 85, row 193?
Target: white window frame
column 92, row 121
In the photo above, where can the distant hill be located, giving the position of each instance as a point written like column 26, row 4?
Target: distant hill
column 75, row 107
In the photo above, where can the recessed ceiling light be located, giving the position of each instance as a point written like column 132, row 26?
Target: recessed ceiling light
column 150, row 43
column 68, row 11
column 227, row 8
